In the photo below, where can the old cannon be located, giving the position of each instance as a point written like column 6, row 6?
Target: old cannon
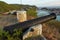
column 26, row 24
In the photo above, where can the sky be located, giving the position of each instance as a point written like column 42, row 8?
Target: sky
column 41, row 3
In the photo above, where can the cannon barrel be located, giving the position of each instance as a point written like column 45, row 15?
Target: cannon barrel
column 30, row 23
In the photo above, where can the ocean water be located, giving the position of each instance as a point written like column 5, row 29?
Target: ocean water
column 44, row 13
column 58, row 18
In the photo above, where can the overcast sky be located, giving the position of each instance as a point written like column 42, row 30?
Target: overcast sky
column 35, row 2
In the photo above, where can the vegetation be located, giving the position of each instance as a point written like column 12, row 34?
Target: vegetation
column 7, row 36
column 51, row 30
column 32, row 12
column 54, row 23
column 4, row 7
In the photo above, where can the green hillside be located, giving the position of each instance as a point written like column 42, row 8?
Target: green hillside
column 4, row 7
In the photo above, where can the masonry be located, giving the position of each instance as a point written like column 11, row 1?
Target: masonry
column 33, row 30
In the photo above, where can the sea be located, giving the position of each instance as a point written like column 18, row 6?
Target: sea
column 41, row 13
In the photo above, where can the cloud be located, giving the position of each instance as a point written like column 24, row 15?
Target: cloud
column 35, row 2
column 52, row 3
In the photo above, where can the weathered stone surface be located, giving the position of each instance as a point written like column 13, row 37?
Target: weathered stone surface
column 21, row 16
column 37, row 31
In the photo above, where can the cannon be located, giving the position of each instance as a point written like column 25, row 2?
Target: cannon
column 27, row 24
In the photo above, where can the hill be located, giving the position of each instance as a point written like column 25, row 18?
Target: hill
column 4, row 7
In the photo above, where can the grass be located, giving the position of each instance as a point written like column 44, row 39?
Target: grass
column 51, row 30
column 54, row 23
column 6, row 36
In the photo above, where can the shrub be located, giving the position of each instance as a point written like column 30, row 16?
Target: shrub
column 7, row 36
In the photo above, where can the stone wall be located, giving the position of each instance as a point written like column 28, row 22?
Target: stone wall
column 33, row 31
column 21, row 16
